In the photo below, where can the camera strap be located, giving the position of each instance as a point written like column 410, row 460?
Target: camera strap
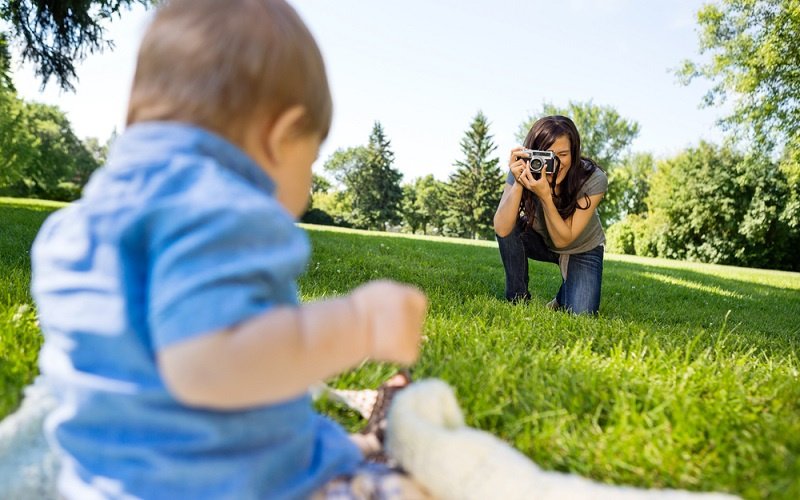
column 555, row 174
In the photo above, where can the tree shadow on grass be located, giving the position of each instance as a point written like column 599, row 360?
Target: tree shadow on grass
column 764, row 315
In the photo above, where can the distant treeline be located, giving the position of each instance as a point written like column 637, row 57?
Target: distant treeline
column 733, row 203
column 709, row 203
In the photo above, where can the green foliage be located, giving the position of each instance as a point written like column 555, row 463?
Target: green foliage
column 754, row 49
column 41, row 156
column 318, row 216
column 56, row 33
column 16, row 141
column 372, row 183
column 605, row 137
column 413, row 217
column 724, row 207
column 475, row 188
column 5, row 64
column 621, row 237
column 336, row 204
column 320, row 184
column 423, row 205
column 631, row 181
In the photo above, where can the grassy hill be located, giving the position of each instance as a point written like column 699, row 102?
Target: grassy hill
column 689, row 378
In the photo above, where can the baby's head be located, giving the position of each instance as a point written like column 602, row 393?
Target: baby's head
column 248, row 70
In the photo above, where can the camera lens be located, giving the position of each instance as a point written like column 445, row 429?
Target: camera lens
column 536, row 164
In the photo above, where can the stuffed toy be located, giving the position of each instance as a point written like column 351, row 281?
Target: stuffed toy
column 427, row 436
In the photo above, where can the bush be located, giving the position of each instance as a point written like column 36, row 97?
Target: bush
column 620, row 237
column 711, row 204
column 66, row 191
column 317, row 216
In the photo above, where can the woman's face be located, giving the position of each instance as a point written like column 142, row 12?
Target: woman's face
column 561, row 147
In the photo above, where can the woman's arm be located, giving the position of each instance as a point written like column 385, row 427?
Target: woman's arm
column 505, row 218
column 563, row 232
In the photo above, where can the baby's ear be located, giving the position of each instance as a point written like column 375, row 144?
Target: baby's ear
column 278, row 132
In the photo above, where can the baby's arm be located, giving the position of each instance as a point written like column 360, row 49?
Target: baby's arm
column 278, row 355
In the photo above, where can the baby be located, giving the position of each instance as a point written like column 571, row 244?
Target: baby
column 167, row 294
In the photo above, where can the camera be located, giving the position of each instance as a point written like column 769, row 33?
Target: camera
column 541, row 160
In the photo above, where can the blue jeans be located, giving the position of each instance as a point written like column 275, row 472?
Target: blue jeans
column 579, row 292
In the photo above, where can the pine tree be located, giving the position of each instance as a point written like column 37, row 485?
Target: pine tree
column 373, row 184
column 474, row 189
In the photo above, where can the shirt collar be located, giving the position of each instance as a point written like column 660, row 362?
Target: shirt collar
column 164, row 138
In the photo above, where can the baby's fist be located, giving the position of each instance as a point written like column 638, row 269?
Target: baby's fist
column 394, row 316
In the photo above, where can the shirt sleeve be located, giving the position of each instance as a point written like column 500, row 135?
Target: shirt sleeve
column 214, row 265
column 510, row 178
column 597, row 183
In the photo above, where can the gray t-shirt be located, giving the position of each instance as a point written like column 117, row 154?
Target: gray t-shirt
column 592, row 234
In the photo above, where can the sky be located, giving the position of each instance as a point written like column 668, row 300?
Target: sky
column 424, row 68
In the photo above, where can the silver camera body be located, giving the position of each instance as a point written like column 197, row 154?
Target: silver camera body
column 540, row 160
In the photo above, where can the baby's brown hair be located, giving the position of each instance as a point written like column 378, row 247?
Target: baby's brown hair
column 220, row 64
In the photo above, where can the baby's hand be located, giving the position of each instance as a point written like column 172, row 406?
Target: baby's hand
column 393, row 314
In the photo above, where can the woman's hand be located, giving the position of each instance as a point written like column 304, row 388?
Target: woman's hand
column 518, row 163
column 519, row 166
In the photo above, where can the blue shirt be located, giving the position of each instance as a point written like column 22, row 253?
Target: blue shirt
column 177, row 236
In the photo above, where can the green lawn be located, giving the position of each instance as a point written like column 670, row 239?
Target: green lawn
column 689, row 378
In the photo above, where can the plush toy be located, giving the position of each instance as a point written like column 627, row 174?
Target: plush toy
column 427, row 436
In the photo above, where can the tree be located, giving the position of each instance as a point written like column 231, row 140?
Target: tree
column 16, row 142
column 423, row 204
column 56, row 33
column 320, row 184
column 712, row 205
column 632, row 180
column 413, row 217
column 754, row 49
column 373, row 185
column 605, row 137
column 53, row 163
column 474, row 189
column 5, row 65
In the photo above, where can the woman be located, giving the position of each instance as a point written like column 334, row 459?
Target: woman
column 553, row 218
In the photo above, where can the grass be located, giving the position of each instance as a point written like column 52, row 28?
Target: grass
column 20, row 339
column 689, row 378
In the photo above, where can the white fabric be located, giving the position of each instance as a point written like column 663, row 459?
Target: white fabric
column 28, row 467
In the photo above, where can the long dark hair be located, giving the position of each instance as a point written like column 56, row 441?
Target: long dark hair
column 542, row 135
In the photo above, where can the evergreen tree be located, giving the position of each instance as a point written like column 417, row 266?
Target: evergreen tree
column 55, row 34
column 372, row 183
column 474, row 189
column 377, row 202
